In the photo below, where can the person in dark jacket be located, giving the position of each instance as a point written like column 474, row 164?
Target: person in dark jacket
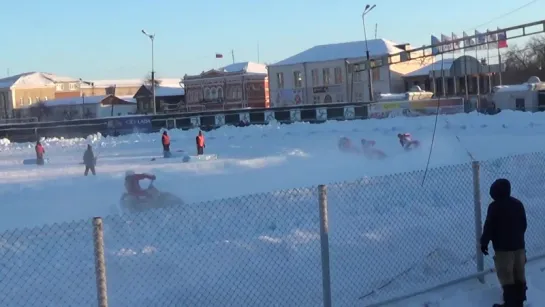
column 505, row 226
column 200, row 143
column 89, row 160
column 40, row 151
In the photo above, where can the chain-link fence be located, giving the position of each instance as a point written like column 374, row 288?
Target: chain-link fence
column 355, row 244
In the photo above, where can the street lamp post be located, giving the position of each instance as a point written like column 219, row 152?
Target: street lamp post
column 152, row 38
column 368, row 9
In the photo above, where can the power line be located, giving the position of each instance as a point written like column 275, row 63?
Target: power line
column 504, row 15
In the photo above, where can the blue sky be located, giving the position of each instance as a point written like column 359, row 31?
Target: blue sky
column 101, row 39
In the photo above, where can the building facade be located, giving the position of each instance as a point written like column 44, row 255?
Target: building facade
column 235, row 86
column 26, row 89
column 78, row 108
column 448, row 77
column 168, row 98
column 325, row 74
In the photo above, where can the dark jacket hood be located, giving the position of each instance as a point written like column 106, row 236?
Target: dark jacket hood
column 500, row 189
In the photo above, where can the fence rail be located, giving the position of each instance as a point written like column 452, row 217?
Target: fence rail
column 365, row 243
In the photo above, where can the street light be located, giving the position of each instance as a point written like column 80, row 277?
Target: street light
column 152, row 38
column 368, row 9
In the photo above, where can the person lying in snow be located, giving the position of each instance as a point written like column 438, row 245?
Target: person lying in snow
column 407, row 142
column 370, row 151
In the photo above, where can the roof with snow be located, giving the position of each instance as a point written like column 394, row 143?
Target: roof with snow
column 350, row 50
column 246, row 67
column 33, row 79
column 436, row 66
column 80, row 100
column 128, row 82
column 168, row 90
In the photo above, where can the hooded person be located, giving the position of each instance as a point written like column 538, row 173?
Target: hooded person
column 505, row 226
column 89, row 160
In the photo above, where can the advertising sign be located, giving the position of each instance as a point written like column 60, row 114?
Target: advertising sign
column 429, row 107
column 415, row 108
column 388, row 109
column 133, row 124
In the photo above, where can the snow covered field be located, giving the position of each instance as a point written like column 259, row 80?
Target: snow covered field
column 250, row 236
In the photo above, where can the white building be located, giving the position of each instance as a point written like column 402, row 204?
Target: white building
column 323, row 74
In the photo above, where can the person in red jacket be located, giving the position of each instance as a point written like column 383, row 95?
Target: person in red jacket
column 132, row 184
column 200, row 143
column 40, row 151
column 165, row 140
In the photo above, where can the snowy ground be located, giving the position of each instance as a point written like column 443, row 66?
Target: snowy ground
column 388, row 235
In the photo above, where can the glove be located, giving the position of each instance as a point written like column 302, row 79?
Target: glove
column 484, row 250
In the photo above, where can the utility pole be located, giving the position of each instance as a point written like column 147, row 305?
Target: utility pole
column 152, row 39
column 233, row 55
column 368, row 9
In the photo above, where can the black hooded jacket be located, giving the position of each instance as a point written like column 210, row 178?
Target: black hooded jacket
column 505, row 223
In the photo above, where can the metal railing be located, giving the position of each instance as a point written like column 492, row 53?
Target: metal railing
column 369, row 242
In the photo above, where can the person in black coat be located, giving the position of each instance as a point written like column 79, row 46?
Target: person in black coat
column 505, row 226
column 89, row 160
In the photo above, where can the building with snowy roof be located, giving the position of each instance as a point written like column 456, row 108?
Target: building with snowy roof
column 168, row 97
column 122, row 87
column 28, row 88
column 235, row 86
column 450, row 76
column 324, row 73
column 79, row 107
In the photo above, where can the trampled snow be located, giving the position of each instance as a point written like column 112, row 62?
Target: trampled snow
column 244, row 239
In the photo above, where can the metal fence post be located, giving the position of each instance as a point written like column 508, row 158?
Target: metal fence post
column 324, row 242
column 478, row 218
column 100, row 262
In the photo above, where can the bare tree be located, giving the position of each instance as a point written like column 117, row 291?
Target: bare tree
column 522, row 62
column 148, row 81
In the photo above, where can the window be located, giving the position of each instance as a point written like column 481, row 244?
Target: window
column 45, row 98
column 214, row 93
column 220, row 92
column 73, row 86
column 315, row 77
column 297, row 79
column 359, row 97
column 280, row 80
column 338, row 75
column 325, row 75
column 207, row 94
column 376, row 74
column 357, row 73
column 29, row 100
column 316, row 99
column 520, row 104
column 60, row 87
column 339, row 98
column 236, row 92
column 37, row 99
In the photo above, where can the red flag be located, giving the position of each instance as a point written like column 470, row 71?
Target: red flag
column 502, row 40
column 219, row 56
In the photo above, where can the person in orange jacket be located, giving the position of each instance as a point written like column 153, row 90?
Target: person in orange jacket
column 200, row 143
column 165, row 140
column 40, row 151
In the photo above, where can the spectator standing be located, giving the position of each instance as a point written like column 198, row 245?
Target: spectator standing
column 505, row 226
